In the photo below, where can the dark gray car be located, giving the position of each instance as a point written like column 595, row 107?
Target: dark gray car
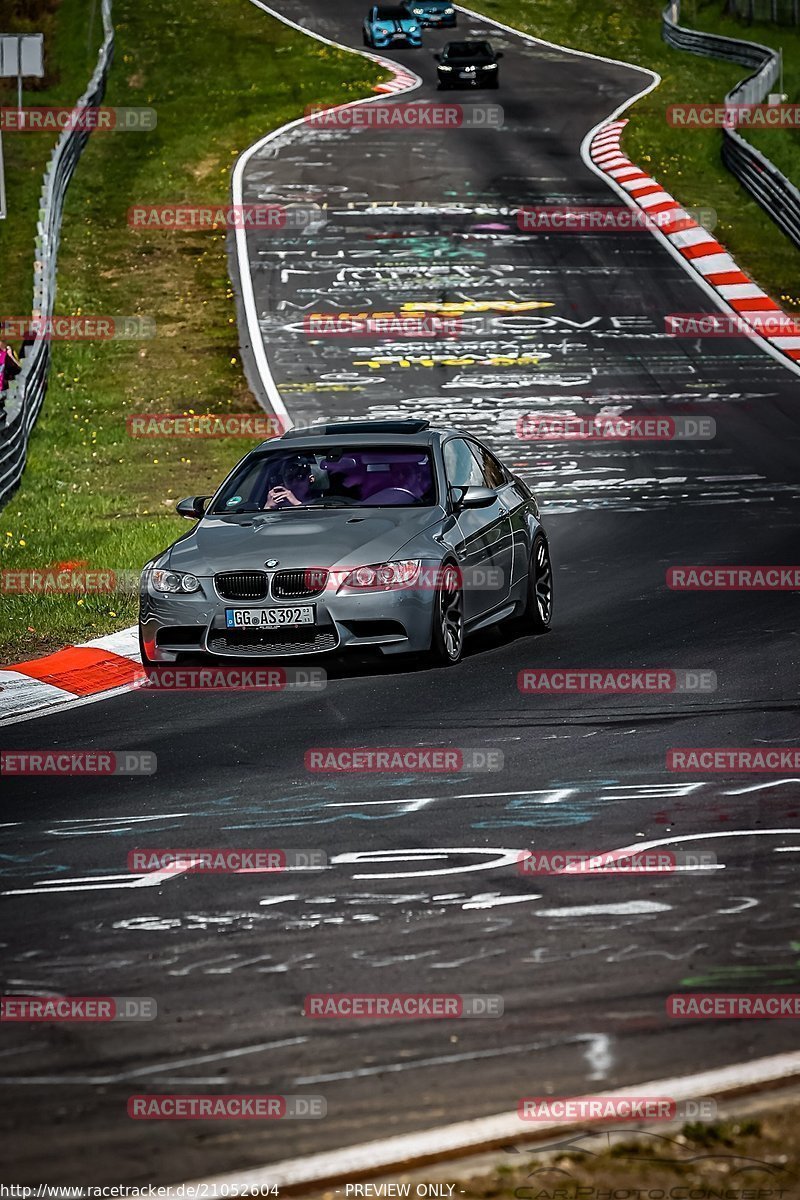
column 390, row 535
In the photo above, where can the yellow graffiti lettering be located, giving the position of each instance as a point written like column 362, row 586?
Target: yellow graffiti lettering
column 454, row 307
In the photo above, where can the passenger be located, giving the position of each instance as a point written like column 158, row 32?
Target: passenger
column 9, row 365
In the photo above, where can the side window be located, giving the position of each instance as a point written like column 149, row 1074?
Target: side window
column 460, row 464
column 493, row 473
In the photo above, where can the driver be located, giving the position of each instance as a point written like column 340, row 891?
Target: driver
column 297, row 477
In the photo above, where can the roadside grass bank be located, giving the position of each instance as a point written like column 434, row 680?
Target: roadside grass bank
column 687, row 162
column 782, row 146
column 219, row 75
column 752, row 1152
column 747, row 1158
column 73, row 34
column 750, row 1158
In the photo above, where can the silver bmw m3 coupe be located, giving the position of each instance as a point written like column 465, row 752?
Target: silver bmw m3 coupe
column 392, row 536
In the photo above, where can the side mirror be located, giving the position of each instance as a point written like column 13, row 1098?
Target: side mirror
column 438, row 57
column 499, row 54
column 193, row 507
column 473, row 497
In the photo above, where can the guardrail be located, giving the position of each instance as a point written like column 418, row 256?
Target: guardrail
column 782, row 12
column 776, row 194
column 25, row 394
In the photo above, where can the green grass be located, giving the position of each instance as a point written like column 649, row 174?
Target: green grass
column 686, row 162
column 742, row 1157
column 73, row 33
column 782, row 146
column 220, row 74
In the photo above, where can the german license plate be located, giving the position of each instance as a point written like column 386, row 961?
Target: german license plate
column 269, row 618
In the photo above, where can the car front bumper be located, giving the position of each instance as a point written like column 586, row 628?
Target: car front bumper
column 414, row 40
column 474, row 79
column 394, row 622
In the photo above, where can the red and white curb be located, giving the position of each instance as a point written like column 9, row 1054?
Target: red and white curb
column 700, row 250
column 402, row 81
column 76, row 675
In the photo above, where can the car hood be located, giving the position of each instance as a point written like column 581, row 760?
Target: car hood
column 322, row 538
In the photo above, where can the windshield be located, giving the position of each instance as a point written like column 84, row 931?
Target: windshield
column 365, row 477
column 391, row 14
column 468, row 50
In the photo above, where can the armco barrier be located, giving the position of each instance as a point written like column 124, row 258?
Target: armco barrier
column 26, row 393
column 776, row 194
column 781, row 12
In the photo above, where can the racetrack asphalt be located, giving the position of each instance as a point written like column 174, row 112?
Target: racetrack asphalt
column 584, row 964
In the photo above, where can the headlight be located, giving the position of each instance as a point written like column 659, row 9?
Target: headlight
column 448, row 12
column 413, row 28
column 490, row 66
column 174, row 581
column 382, row 578
column 442, row 67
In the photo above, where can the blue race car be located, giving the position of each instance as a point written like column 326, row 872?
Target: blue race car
column 388, row 25
column 439, row 14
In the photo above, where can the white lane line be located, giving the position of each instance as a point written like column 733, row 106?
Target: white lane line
column 495, row 900
column 503, row 858
column 629, row 908
column 245, row 277
column 98, row 883
column 626, row 851
column 486, row 1133
column 439, row 1060
column 156, row 1068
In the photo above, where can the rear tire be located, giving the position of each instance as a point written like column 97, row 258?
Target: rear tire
column 447, row 636
column 538, row 614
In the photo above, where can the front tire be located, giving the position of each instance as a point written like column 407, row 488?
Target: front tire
column 447, row 637
column 538, row 614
